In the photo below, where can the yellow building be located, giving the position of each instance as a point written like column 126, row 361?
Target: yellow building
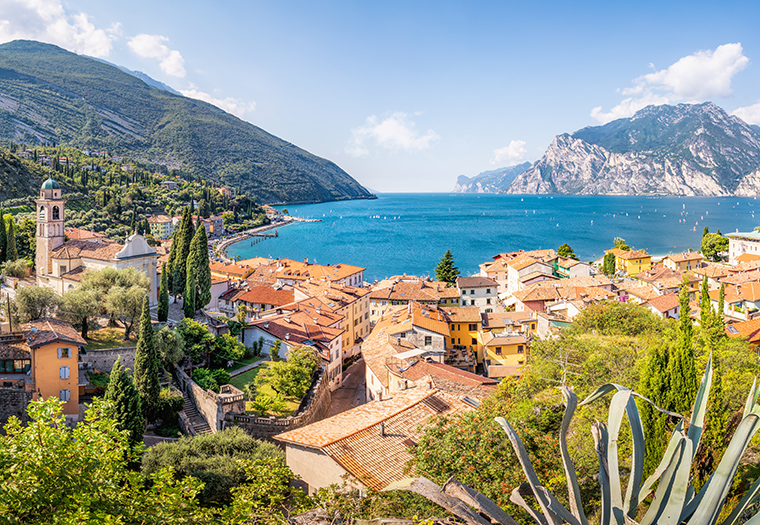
column 160, row 226
column 504, row 354
column 631, row 262
column 465, row 325
column 683, row 261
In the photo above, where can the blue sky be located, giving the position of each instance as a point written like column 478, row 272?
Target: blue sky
column 406, row 96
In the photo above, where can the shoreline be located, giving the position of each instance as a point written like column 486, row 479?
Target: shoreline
column 224, row 245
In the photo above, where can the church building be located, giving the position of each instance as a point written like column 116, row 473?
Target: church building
column 61, row 263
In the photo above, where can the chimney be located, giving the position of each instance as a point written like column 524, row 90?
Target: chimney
column 306, row 261
column 382, row 428
column 266, row 325
column 319, row 310
column 287, row 319
column 287, row 336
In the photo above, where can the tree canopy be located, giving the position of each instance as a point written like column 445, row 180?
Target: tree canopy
column 445, row 271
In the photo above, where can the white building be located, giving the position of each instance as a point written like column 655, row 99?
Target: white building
column 478, row 291
column 61, row 264
column 739, row 243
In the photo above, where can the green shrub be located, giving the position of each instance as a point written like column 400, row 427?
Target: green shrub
column 211, row 379
column 170, row 402
column 211, row 458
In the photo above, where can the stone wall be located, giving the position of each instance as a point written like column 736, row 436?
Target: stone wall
column 314, row 407
column 13, row 402
column 103, row 360
column 211, row 406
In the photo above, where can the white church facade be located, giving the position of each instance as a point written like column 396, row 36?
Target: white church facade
column 61, row 264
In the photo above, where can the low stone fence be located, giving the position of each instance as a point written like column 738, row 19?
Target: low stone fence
column 212, row 407
column 13, row 402
column 314, row 407
column 104, row 359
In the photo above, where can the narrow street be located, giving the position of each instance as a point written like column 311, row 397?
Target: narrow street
column 351, row 393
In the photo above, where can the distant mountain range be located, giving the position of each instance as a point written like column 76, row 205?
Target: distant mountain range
column 491, row 181
column 688, row 149
column 49, row 95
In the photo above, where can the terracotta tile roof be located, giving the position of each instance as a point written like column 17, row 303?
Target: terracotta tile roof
column 713, row 271
column 297, row 270
column 665, row 302
column 298, row 328
column 159, row 219
column 369, row 441
column 541, row 291
column 266, row 295
column 749, row 291
column 746, row 266
column 476, row 282
column 80, row 234
column 543, row 255
column 230, row 269
column 420, row 290
column 731, row 296
column 463, row 314
column 76, row 275
column 13, row 346
column 255, row 262
column 420, row 369
column 263, row 274
column 685, row 256
column 491, row 339
column 745, row 329
column 492, row 321
column 47, row 330
column 534, row 275
column 100, row 249
column 339, row 294
column 628, row 255
column 742, row 277
column 747, row 257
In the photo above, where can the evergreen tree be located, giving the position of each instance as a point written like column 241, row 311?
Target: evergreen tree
column 655, row 385
column 682, row 369
column 567, row 251
column 133, row 224
column 188, row 299
column 720, row 315
column 705, row 311
column 147, row 365
column 198, row 262
column 163, row 296
column 705, row 232
column 11, row 254
column 3, row 237
column 608, row 266
column 125, row 407
column 445, row 271
column 713, row 440
column 183, row 238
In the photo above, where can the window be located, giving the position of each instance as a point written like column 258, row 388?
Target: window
column 65, row 394
column 473, row 341
column 64, row 372
column 488, row 301
column 366, row 316
column 459, row 340
column 402, row 335
column 64, row 353
column 428, row 340
column 473, row 327
column 56, row 213
column 488, row 290
column 520, row 349
column 498, row 350
column 472, row 292
column 452, row 341
column 42, row 213
column 63, row 270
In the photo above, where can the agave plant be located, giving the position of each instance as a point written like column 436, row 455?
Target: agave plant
column 675, row 500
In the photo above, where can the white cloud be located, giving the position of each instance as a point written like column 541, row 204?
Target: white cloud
column 749, row 114
column 694, row 78
column 48, row 21
column 395, row 133
column 510, row 154
column 151, row 46
column 230, row 105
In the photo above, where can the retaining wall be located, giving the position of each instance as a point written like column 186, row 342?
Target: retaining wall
column 13, row 402
column 212, row 407
column 314, row 407
column 103, row 360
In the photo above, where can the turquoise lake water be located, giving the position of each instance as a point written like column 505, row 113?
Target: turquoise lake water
column 407, row 233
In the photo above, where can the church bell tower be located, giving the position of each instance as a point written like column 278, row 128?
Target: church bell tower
column 50, row 229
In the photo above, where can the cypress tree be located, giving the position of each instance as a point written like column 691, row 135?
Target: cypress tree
column 655, row 385
column 198, row 262
column 163, row 296
column 133, row 224
column 720, row 316
column 10, row 251
column 125, row 407
column 682, row 369
column 705, row 311
column 188, row 299
column 3, row 237
column 705, row 232
column 147, row 365
column 182, row 239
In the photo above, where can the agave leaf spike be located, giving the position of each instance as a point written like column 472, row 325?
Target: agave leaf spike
column 430, row 490
column 600, row 392
column 748, row 498
column 477, row 501
column 751, row 398
column 679, row 489
column 558, row 508
column 527, row 467
column 573, row 490
column 664, row 462
column 631, row 500
column 619, row 401
column 516, row 498
column 599, row 432
column 664, row 488
column 697, row 423
column 719, row 484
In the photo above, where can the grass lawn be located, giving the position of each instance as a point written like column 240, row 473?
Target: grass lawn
column 249, row 376
column 107, row 338
column 242, row 363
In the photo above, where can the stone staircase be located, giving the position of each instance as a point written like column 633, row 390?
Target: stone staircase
column 199, row 424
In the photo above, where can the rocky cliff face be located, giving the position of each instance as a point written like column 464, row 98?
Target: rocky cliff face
column 492, row 181
column 666, row 150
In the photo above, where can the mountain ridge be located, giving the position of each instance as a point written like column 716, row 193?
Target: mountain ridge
column 50, row 95
column 490, row 181
column 687, row 149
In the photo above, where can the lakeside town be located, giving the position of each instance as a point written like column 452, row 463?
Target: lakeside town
column 388, row 354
